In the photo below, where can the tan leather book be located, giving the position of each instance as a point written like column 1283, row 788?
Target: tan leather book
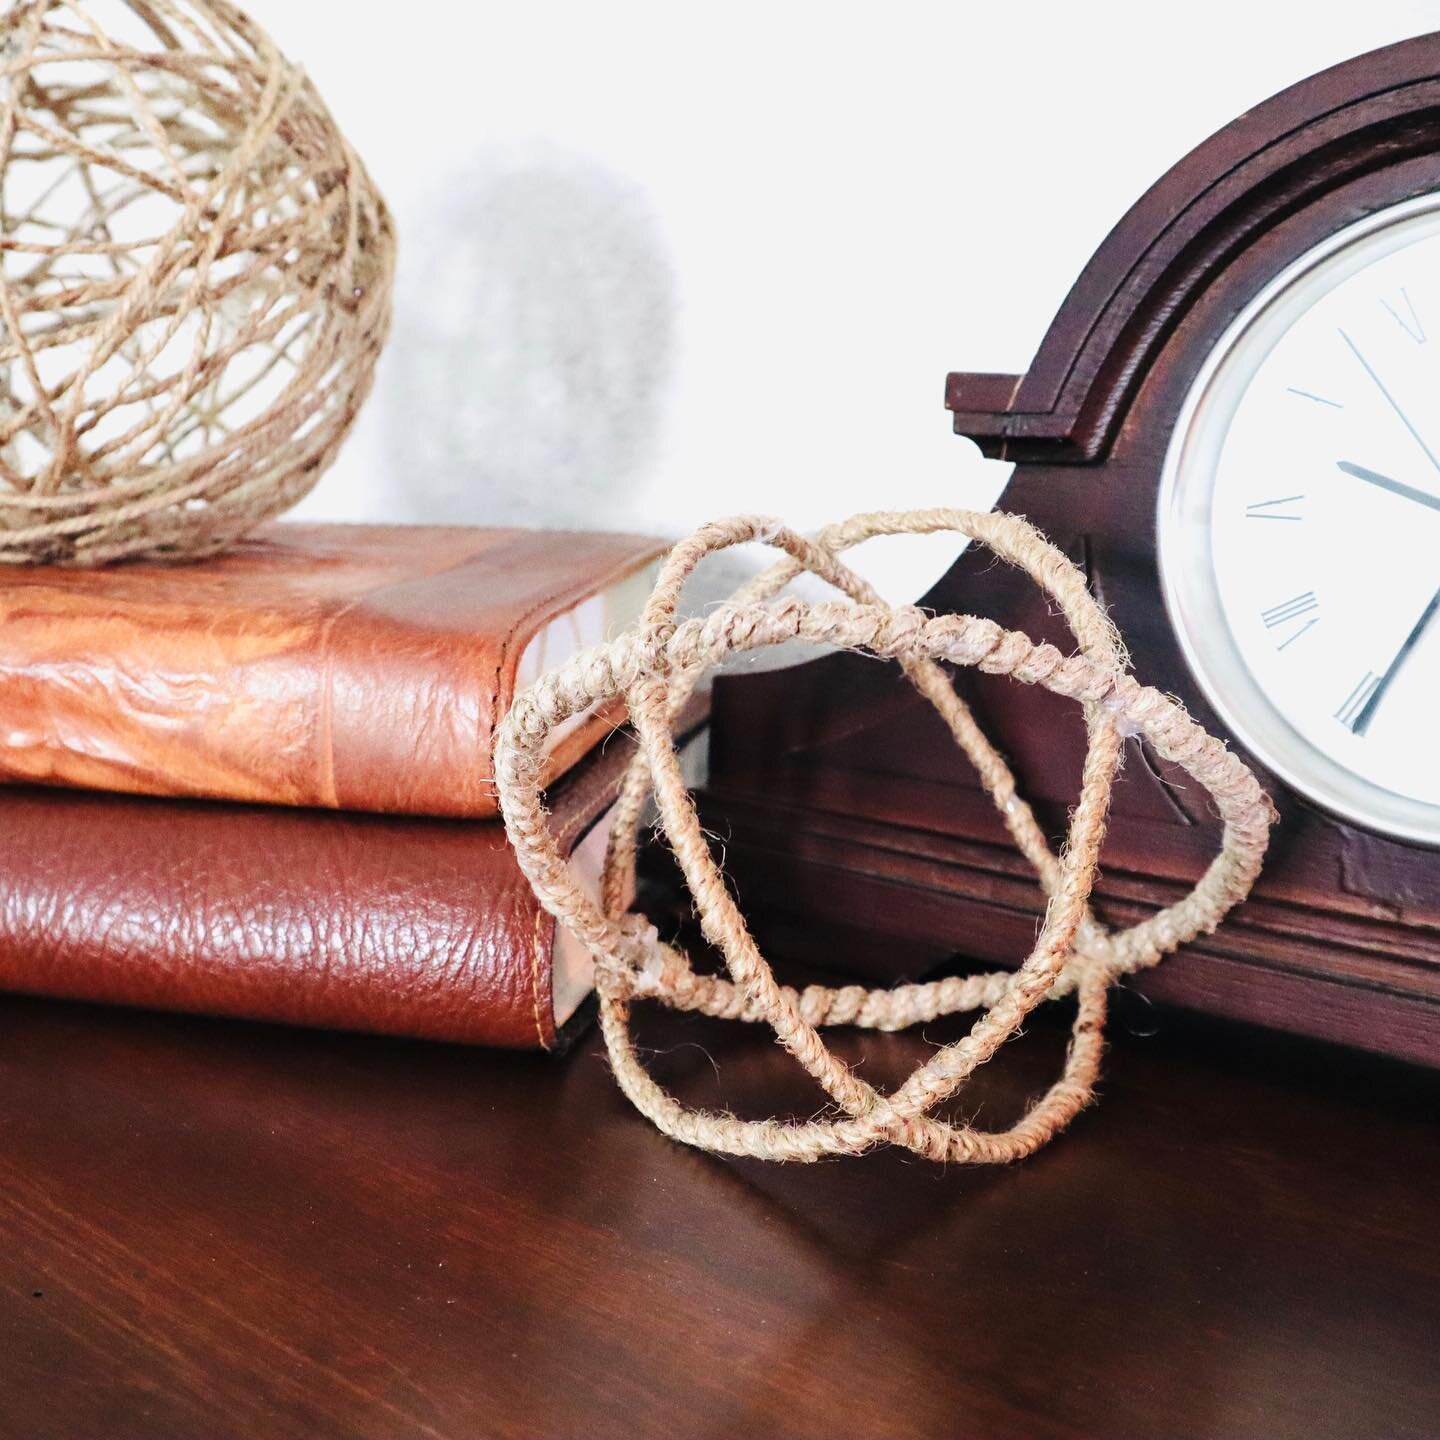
column 391, row 924
column 343, row 667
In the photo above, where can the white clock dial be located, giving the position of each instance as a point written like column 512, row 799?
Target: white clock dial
column 1299, row 524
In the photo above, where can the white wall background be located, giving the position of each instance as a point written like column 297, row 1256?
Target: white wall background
column 662, row 261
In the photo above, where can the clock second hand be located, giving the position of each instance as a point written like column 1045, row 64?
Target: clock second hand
column 1366, row 715
column 1393, row 403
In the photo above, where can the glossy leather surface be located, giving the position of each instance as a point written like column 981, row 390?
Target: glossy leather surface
column 345, row 667
column 391, row 924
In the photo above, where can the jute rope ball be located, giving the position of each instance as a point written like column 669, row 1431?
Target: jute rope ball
column 655, row 668
column 195, row 279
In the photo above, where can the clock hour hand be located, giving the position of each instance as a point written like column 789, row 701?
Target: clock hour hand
column 1367, row 714
column 1396, row 487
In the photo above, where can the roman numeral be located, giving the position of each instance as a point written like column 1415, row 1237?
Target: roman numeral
column 1318, row 399
column 1291, row 639
column 1355, row 702
column 1265, row 509
column 1409, row 322
column 1290, row 610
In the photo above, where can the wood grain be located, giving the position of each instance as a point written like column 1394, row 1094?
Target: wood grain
column 231, row 1231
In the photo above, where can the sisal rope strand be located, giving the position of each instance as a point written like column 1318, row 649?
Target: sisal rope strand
column 655, row 668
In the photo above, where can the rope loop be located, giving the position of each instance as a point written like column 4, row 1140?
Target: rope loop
column 655, row 668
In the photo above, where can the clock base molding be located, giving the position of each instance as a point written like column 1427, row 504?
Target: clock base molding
column 846, row 809
column 858, row 836
column 860, row 890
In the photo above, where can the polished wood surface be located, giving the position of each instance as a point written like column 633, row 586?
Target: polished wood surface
column 222, row 1230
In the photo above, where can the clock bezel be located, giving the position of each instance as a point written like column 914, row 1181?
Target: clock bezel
column 1184, row 536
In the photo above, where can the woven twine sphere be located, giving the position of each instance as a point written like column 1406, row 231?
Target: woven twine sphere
column 195, row 280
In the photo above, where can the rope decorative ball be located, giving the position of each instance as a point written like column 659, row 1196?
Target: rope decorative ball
column 195, row 280
column 656, row 666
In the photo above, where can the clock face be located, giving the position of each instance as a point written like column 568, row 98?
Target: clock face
column 1299, row 524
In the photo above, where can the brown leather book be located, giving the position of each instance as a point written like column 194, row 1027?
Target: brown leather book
column 344, row 667
column 391, row 924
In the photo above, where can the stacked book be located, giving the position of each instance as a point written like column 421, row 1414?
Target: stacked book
column 260, row 785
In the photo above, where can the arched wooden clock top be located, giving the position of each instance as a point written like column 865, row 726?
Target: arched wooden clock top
column 1311, row 140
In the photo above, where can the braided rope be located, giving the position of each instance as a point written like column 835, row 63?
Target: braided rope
column 656, row 666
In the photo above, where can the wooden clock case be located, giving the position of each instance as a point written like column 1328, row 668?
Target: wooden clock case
column 848, row 816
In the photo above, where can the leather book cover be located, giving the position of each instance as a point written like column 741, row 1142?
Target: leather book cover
column 399, row 925
column 343, row 667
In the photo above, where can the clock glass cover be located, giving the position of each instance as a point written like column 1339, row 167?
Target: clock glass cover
column 1299, row 524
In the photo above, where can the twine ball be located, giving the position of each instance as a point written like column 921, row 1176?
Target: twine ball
column 195, row 280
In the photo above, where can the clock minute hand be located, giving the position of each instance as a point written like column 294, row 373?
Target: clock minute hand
column 1396, row 487
column 1363, row 719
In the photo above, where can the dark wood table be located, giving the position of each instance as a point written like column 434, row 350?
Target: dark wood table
column 215, row 1230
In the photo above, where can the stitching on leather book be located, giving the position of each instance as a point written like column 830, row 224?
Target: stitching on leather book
column 540, row 917
column 327, row 783
column 369, row 597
